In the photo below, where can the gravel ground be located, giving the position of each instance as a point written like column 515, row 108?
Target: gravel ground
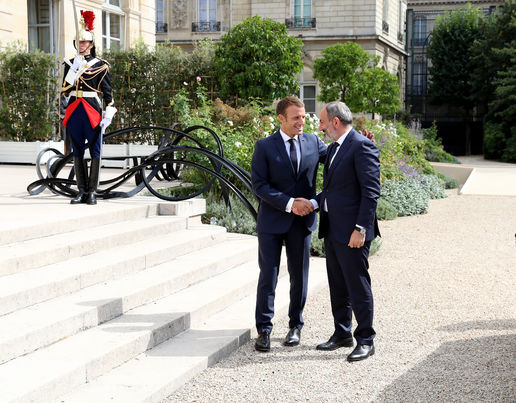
column 445, row 298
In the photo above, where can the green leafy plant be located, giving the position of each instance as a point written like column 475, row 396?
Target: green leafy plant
column 257, row 59
column 407, row 196
column 433, row 146
column 28, row 94
column 432, row 185
column 237, row 219
column 385, row 210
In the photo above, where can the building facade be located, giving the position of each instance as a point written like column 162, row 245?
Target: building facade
column 421, row 17
column 378, row 26
column 49, row 25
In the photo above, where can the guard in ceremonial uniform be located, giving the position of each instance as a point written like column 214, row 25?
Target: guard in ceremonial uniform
column 86, row 79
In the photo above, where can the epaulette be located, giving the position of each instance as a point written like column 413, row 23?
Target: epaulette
column 105, row 61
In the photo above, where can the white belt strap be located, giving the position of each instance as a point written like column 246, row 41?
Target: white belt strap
column 85, row 94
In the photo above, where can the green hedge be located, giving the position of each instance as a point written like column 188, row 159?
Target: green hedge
column 28, row 95
column 146, row 80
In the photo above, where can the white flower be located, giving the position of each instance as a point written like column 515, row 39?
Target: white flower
column 238, row 144
column 230, row 123
column 272, row 126
column 271, row 119
column 185, row 83
column 256, row 120
column 265, row 133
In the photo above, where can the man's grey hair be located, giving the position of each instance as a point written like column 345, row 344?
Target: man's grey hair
column 340, row 110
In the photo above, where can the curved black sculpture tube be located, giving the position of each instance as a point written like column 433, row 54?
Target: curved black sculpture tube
column 165, row 164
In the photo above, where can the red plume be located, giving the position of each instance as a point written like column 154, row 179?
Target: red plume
column 88, row 17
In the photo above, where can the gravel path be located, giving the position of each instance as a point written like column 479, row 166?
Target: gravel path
column 445, row 298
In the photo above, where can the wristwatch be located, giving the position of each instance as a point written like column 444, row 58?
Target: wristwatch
column 360, row 229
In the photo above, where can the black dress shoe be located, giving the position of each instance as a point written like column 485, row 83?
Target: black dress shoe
column 293, row 337
column 263, row 342
column 335, row 343
column 361, row 352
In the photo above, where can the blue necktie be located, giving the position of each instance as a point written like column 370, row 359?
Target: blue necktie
column 293, row 155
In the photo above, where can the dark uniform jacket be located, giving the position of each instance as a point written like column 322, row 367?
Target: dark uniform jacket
column 94, row 79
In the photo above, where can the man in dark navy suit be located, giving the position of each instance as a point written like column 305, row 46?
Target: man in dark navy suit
column 283, row 170
column 347, row 204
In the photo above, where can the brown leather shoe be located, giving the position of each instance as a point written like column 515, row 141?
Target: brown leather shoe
column 263, row 342
column 335, row 342
column 361, row 352
column 293, row 337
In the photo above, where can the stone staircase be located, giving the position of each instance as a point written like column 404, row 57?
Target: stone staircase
column 125, row 304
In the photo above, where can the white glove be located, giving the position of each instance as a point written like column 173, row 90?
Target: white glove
column 78, row 62
column 104, row 123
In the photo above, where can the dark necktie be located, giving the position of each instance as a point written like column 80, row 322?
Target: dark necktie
column 331, row 152
column 293, row 155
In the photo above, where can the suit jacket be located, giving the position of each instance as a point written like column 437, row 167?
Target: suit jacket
column 275, row 182
column 351, row 188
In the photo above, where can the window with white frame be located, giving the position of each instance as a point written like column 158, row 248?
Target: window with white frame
column 307, row 95
column 385, row 16
column 161, row 25
column 112, row 25
column 207, row 15
column 41, row 21
column 302, row 13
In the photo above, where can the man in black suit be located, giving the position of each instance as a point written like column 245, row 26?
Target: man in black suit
column 283, row 169
column 347, row 204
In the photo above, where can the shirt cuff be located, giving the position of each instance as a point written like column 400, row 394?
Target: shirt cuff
column 359, row 226
column 288, row 209
column 314, row 203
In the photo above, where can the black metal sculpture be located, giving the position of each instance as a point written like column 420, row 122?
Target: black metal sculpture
column 164, row 164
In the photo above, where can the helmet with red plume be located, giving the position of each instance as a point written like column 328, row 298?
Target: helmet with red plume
column 86, row 29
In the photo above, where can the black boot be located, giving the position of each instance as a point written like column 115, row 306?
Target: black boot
column 93, row 181
column 80, row 177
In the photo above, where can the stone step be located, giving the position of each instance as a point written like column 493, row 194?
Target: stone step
column 34, row 253
column 155, row 374
column 62, row 367
column 40, row 325
column 62, row 218
column 27, row 288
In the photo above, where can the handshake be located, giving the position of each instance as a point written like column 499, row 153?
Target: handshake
column 302, row 206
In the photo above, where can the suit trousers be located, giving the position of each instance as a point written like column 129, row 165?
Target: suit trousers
column 350, row 289
column 297, row 246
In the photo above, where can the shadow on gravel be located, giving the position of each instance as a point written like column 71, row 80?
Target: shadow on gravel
column 506, row 324
column 473, row 370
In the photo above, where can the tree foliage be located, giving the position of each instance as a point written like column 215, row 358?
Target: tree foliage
column 347, row 73
column 338, row 72
column 452, row 63
column 380, row 91
column 258, row 59
column 452, row 59
column 494, row 81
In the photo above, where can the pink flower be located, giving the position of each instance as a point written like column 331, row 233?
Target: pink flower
column 198, row 78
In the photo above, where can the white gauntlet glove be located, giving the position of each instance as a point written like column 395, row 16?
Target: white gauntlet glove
column 78, row 62
column 106, row 120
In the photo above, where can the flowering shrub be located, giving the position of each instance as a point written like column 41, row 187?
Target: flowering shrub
column 433, row 147
column 401, row 154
